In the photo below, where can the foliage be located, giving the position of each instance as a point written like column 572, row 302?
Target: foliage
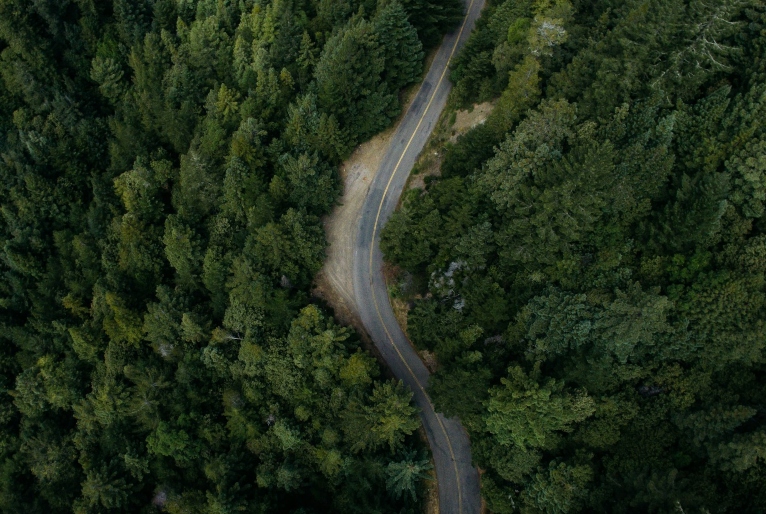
column 594, row 257
column 164, row 168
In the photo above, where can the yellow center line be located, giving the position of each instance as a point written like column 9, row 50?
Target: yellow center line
column 372, row 244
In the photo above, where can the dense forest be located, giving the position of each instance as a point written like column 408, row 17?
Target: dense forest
column 590, row 267
column 163, row 167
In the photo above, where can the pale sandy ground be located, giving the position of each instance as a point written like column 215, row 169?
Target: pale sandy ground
column 430, row 160
column 466, row 120
column 334, row 281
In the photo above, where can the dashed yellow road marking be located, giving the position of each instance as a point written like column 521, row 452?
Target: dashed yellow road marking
column 372, row 244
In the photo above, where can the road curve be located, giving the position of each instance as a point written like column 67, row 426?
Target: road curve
column 458, row 480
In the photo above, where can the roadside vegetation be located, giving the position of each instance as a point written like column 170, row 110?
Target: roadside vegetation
column 163, row 168
column 591, row 262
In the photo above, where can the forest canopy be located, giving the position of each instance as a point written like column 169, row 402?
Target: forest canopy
column 163, row 168
column 590, row 267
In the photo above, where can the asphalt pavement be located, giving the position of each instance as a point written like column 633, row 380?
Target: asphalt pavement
column 458, row 480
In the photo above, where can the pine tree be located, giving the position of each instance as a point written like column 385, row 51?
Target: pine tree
column 403, row 476
column 402, row 50
column 349, row 81
column 431, row 19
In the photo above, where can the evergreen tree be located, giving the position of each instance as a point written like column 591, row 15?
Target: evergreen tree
column 164, row 166
column 402, row 50
column 349, row 80
column 587, row 273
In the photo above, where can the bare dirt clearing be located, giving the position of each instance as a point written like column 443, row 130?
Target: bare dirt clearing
column 334, row 281
column 452, row 125
column 470, row 118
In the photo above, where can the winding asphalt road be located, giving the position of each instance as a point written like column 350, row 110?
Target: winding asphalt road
column 458, row 480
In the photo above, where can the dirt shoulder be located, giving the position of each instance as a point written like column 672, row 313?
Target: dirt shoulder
column 334, row 282
column 470, row 118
